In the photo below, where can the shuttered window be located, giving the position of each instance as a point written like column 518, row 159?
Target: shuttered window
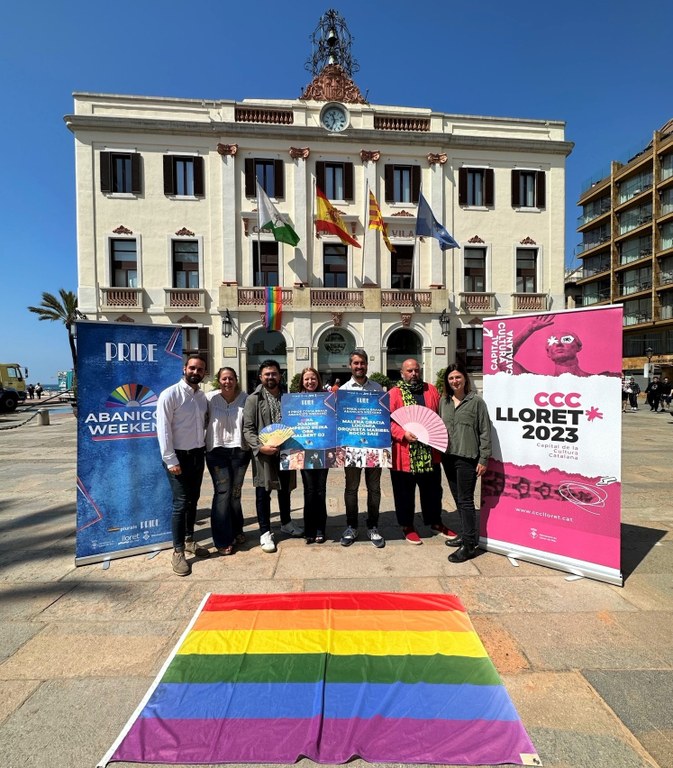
column 402, row 183
column 335, row 179
column 269, row 173
column 475, row 187
column 529, row 189
column 120, row 173
column 183, row 176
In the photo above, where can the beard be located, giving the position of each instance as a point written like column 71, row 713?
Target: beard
column 194, row 378
column 415, row 386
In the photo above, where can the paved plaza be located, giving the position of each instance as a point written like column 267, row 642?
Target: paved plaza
column 588, row 665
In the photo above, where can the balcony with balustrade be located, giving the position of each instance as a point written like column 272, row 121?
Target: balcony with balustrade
column 530, row 302
column 121, row 300
column 182, row 299
column 477, row 303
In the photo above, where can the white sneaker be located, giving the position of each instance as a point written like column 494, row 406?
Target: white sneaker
column 267, row 543
column 292, row 530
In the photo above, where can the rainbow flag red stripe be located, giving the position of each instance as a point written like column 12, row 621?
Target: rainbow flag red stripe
column 274, row 307
column 387, row 677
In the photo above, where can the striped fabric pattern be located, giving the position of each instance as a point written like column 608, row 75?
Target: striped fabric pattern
column 387, row 677
column 274, row 307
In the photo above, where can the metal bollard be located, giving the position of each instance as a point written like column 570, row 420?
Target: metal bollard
column 43, row 417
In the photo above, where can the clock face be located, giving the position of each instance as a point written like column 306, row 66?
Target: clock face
column 334, row 118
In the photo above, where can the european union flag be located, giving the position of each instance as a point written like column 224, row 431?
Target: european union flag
column 428, row 226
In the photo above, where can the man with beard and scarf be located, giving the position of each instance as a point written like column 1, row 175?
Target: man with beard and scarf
column 181, row 430
column 413, row 463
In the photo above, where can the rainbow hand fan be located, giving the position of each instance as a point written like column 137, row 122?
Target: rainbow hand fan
column 275, row 434
column 424, row 423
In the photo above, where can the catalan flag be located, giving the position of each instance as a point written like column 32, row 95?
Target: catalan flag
column 376, row 221
column 399, row 678
column 273, row 315
column 329, row 221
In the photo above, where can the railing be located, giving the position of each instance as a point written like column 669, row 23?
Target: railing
column 478, row 302
column 395, row 123
column 406, row 298
column 634, row 286
column 634, row 219
column 591, row 271
column 336, row 297
column 122, row 298
column 595, row 298
column 665, row 278
column 637, row 319
column 185, row 298
column 629, row 189
column 257, row 296
column 581, row 247
column 593, row 211
column 529, row 302
column 259, row 115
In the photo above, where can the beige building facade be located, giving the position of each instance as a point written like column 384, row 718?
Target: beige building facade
column 167, row 224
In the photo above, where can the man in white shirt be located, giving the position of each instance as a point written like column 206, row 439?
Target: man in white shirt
column 181, row 430
column 358, row 362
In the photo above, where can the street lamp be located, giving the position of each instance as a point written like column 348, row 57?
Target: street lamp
column 226, row 324
column 444, row 322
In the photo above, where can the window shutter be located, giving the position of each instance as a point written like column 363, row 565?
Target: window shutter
column 198, row 177
column 348, row 181
column 389, row 185
column 488, row 187
column 462, row 186
column 105, row 172
column 136, row 181
column 320, row 175
column 279, row 179
column 250, row 177
column 516, row 201
column 169, row 179
column 415, row 183
column 204, row 344
column 540, row 189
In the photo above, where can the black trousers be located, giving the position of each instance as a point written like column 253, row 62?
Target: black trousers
column 429, row 486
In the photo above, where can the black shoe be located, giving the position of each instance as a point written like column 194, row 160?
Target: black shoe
column 457, row 542
column 464, row 553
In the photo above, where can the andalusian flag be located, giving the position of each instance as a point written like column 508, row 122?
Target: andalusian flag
column 268, row 217
column 329, row 220
column 274, row 307
column 376, row 221
column 391, row 678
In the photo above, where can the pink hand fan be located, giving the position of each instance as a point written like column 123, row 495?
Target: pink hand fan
column 424, row 423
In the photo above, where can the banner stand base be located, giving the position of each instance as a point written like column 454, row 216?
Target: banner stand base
column 102, row 556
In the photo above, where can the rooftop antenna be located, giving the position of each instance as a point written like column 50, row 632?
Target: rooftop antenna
column 331, row 43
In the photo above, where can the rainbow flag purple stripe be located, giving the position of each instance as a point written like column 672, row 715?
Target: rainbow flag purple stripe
column 274, row 307
column 328, row 676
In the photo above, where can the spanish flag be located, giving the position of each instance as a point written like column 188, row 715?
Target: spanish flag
column 376, row 221
column 274, row 307
column 329, row 220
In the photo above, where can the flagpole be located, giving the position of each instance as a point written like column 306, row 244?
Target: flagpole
column 365, row 234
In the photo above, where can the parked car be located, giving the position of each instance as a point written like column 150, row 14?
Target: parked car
column 9, row 399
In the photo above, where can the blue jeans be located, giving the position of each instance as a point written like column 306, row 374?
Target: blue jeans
column 373, row 483
column 263, row 503
column 315, row 500
column 462, row 476
column 186, row 489
column 227, row 467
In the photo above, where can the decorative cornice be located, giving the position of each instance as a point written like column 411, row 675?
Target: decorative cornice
column 227, row 149
column 475, row 239
column 370, row 156
column 333, row 84
column 297, row 152
column 437, row 159
column 186, row 320
column 404, row 213
column 122, row 230
column 406, row 319
column 184, row 232
column 337, row 318
column 124, row 319
column 528, row 241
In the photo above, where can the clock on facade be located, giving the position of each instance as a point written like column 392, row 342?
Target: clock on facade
column 334, row 117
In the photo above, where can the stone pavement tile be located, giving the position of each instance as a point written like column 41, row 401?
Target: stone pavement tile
column 26, row 599
column 651, row 557
column 548, row 593
column 649, row 592
column 14, row 693
column 500, row 645
column 570, row 725
column 656, row 626
column 492, row 564
column 375, row 583
column 13, row 634
column 49, row 564
column 82, row 649
column 642, row 700
column 572, row 640
column 69, row 723
column 119, row 601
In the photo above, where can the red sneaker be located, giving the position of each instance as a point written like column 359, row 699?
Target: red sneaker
column 411, row 536
column 447, row 533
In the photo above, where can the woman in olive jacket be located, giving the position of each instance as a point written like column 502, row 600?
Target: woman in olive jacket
column 466, row 418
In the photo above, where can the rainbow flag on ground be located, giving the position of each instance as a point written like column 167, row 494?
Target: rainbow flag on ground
column 400, row 678
column 274, row 307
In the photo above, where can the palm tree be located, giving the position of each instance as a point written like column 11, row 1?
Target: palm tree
column 64, row 310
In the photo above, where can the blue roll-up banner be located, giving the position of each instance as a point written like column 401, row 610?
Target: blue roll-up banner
column 123, row 497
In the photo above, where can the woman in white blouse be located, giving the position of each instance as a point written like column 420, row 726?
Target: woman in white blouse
column 227, row 457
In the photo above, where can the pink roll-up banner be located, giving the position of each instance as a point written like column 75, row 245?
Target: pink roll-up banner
column 552, row 491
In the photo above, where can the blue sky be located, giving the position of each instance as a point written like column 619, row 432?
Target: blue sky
column 603, row 67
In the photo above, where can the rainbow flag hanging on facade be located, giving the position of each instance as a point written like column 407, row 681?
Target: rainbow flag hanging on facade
column 274, row 307
column 400, row 678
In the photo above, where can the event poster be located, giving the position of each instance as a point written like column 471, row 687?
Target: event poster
column 123, row 498
column 336, row 429
column 552, row 491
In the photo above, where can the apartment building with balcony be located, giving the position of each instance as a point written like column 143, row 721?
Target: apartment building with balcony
column 167, row 224
column 627, row 248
